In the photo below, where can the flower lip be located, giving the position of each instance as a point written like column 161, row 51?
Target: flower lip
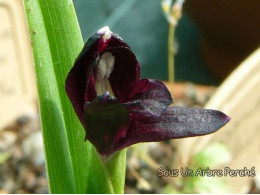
column 226, row 118
column 106, row 123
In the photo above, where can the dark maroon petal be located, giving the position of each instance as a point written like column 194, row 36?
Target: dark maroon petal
column 174, row 122
column 80, row 83
column 125, row 73
column 152, row 95
column 76, row 80
column 106, row 123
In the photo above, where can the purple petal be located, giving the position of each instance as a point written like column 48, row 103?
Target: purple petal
column 80, row 83
column 174, row 122
column 152, row 95
column 125, row 73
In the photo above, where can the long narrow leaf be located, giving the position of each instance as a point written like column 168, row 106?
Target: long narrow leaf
column 54, row 133
column 73, row 165
column 65, row 43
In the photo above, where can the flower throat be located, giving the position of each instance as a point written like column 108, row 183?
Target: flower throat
column 103, row 70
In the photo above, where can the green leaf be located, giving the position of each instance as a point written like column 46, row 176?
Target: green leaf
column 73, row 165
column 54, row 133
column 213, row 156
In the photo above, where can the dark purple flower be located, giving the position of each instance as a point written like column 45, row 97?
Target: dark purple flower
column 118, row 109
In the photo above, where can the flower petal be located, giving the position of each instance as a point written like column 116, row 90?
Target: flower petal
column 76, row 80
column 152, row 95
column 125, row 73
column 80, row 83
column 106, row 123
column 174, row 122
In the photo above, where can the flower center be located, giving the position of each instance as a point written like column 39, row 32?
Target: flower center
column 103, row 71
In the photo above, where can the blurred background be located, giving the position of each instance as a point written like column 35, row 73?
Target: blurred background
column 217, row 65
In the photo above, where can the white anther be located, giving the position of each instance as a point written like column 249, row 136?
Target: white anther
column 105, row 65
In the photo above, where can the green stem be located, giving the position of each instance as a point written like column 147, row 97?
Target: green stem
column 171, row 53
column 116, row 166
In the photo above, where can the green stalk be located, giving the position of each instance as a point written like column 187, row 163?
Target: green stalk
column 73, row 166
column 117, row 175
column 171, row 53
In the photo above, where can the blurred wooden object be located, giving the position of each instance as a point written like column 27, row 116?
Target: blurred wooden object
column 229, row 31
column 239, row 97
column 17, row 83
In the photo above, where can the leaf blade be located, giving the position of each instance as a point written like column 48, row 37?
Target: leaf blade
column 65, row 39
column 57, row 40
column 49, row 99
